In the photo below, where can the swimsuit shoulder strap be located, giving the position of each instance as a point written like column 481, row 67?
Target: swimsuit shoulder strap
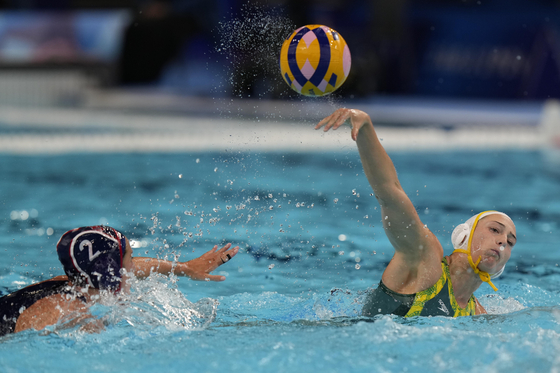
column 419, row 307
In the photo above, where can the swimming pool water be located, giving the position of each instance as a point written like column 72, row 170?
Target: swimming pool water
column 312, row 243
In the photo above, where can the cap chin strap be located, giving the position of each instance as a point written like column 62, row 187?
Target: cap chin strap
column 484, row 276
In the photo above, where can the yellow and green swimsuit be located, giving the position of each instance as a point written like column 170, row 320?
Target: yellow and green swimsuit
column 437, row 300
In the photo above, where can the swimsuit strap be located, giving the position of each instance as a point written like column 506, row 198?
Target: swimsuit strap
column 425, row 298
column 425, row 295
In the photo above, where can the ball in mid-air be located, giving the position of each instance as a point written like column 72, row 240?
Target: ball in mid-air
column 315, row 60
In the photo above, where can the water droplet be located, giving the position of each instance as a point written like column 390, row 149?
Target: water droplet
column 357, row 266
column 342, row 237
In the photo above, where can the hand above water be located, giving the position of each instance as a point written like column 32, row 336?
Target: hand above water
column 197, row 269
column 200, row 268
column 357, row 120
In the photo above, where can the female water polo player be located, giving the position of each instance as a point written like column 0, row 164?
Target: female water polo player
column 419, row 280
column 94, row 259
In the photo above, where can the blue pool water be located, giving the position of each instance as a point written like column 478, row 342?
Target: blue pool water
column 311, row 242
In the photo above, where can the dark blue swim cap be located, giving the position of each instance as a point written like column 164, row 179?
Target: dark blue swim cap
column 93, row 256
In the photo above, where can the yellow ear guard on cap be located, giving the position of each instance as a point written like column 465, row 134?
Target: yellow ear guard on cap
column 460, row 234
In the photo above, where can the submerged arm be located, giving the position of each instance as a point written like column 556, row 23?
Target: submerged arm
column 479, row 309
column 58, row 309
column 196, row 269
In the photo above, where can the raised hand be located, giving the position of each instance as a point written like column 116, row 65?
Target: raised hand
column 357, row 120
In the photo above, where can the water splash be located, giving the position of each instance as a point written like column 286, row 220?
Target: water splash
column 251, row 43
column 157, row 301
column 152, row 302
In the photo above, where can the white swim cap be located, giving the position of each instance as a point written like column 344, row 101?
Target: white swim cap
column 460, row 240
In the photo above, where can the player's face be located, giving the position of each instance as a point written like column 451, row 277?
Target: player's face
column 493, row 239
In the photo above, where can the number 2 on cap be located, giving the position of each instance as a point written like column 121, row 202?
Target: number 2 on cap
column 90, row 249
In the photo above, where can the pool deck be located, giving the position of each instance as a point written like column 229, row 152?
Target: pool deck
column 124, row 121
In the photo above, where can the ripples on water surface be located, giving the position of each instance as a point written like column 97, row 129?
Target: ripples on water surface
column 311, row 242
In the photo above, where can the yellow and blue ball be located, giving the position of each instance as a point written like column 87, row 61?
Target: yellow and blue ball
column 315, row 60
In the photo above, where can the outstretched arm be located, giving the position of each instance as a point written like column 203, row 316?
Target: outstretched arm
column 416, row 248
column 196, row 269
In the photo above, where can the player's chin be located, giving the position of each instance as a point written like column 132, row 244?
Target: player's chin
column 490, row 264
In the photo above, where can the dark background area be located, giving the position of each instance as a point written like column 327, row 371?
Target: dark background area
column 472, row 49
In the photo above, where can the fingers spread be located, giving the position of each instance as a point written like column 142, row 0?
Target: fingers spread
column 225, row 258
column 341, row 119
column 334, row 120
column 233, row 252
column 226, row 252
column 327, row 121
column 322, row 122
column 224, row 248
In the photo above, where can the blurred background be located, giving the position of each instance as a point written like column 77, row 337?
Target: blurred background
column 72, row 53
